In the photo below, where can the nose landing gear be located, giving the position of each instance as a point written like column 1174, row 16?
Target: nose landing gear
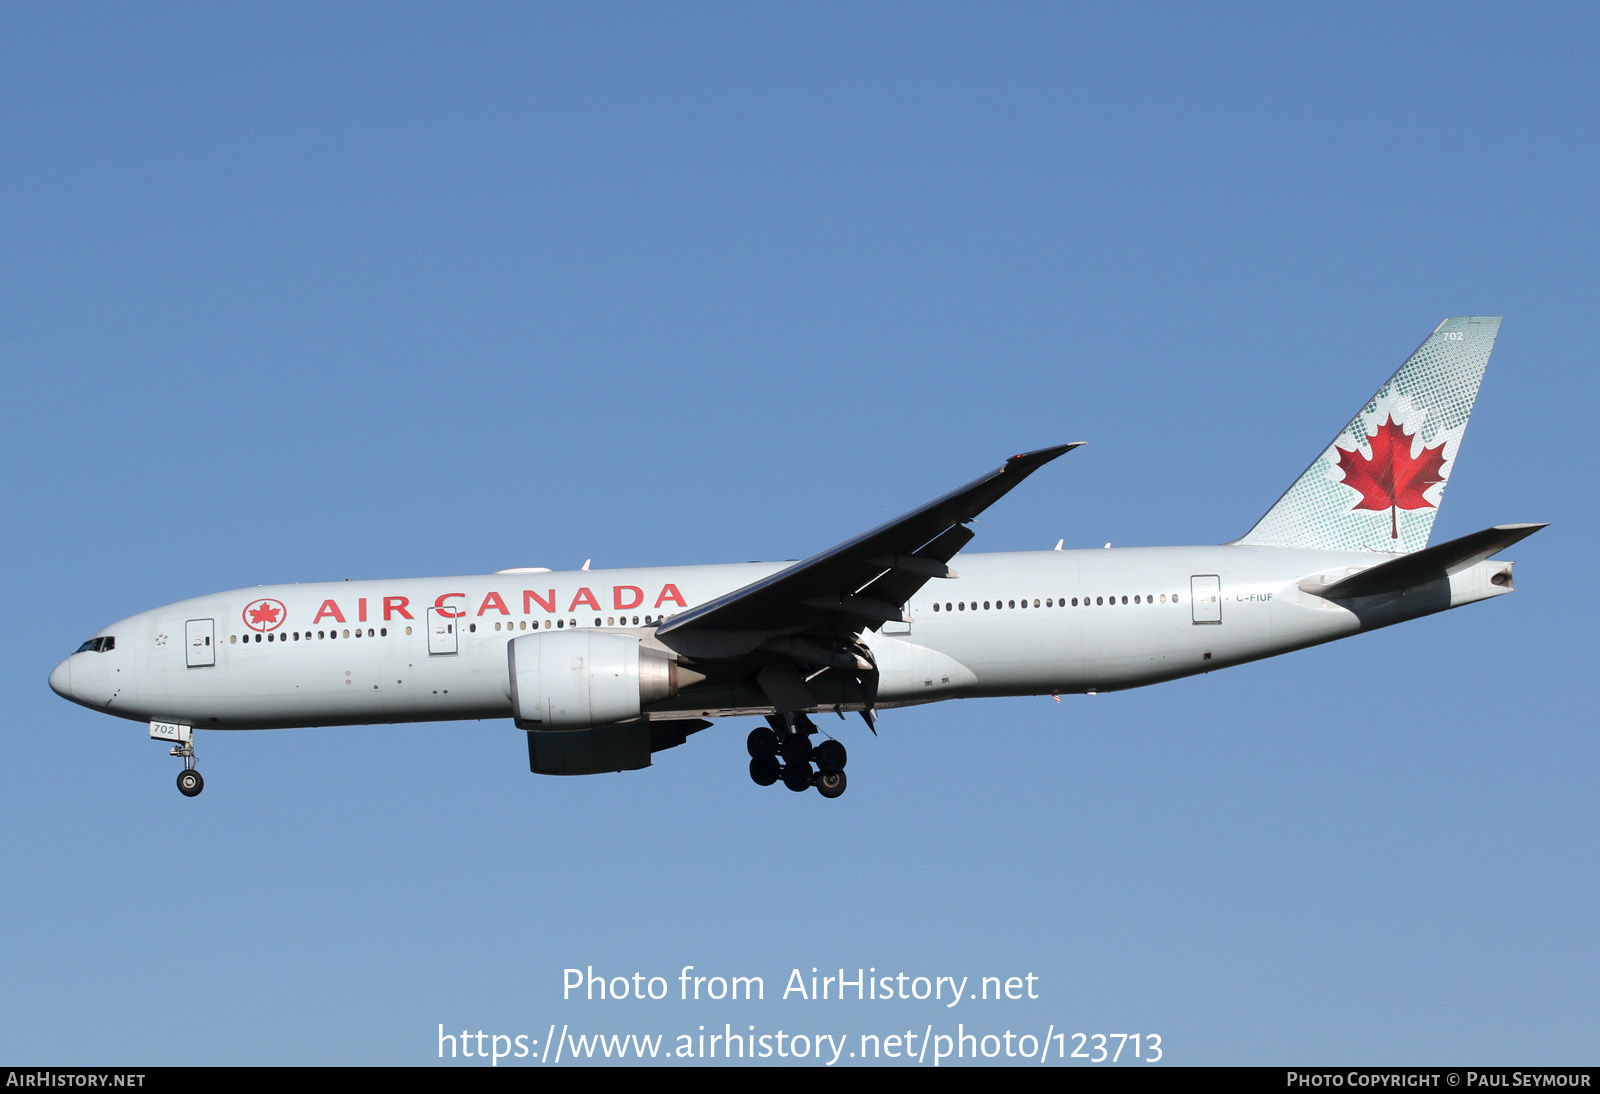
column 189, row 781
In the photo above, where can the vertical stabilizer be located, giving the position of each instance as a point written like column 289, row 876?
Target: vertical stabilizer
column 1378, row 486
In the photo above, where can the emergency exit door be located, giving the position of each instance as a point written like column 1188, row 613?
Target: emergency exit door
column 199, row 647
column 1205, row 597
column 442, row 636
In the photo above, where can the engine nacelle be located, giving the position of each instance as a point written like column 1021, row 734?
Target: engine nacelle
column 581, row 678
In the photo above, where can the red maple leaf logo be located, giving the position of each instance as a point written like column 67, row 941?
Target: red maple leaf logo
column 263, row 613
column 1392, row 478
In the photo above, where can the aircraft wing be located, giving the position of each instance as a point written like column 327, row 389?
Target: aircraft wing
column 861, row 583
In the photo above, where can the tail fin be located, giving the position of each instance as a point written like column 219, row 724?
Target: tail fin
column 1378, row 486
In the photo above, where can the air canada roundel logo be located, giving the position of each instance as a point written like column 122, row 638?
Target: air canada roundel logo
column 1392, row 478
column 265, row 614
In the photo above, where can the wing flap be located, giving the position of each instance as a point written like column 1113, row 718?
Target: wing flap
column 907, row 574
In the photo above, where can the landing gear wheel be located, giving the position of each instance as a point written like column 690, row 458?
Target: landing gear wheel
column 797, row 777
column 761, row 742
column 797, row 749
column 764, row 770
column 831, row 757
column 190, row 783
column 830, row 784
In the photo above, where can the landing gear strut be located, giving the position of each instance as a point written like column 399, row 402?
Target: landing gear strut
column 189, row 781
column 787, row 738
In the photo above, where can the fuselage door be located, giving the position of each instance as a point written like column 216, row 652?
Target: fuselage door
column 1205, row 595
column 441, row 632
column 199, row 643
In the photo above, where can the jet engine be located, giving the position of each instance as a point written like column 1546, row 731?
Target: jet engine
column 579, row 679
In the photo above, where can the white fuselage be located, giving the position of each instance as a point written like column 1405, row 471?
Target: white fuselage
column 1021, row 623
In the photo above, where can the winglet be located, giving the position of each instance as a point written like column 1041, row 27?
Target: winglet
column 1029, row 462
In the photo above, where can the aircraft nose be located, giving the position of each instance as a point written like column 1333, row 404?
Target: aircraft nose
column 61, row 680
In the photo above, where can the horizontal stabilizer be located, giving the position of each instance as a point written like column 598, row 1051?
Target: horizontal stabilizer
column 1426, row 565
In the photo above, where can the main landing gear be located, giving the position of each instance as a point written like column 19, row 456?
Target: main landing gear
column 189, row 781
column 788, row 758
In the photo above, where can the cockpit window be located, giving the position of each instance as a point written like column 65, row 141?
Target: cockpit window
column 98, row 645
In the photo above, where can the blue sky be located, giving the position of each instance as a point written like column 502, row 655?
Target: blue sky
column 308, row 293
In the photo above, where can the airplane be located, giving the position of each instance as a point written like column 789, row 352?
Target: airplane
column 601, row 669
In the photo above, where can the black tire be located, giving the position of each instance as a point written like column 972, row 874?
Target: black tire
column 831, row 757
column 761, row 742
column 831, row 784
column 797, row 777
column 190, row 783
column 797, row 749
column 764, row 770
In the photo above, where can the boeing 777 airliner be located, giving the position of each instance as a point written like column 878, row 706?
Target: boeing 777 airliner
column 600, row 669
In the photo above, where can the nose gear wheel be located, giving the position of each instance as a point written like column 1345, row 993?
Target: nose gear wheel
column 189, row 781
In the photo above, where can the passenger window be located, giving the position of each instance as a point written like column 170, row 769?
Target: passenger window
column 408, row 630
